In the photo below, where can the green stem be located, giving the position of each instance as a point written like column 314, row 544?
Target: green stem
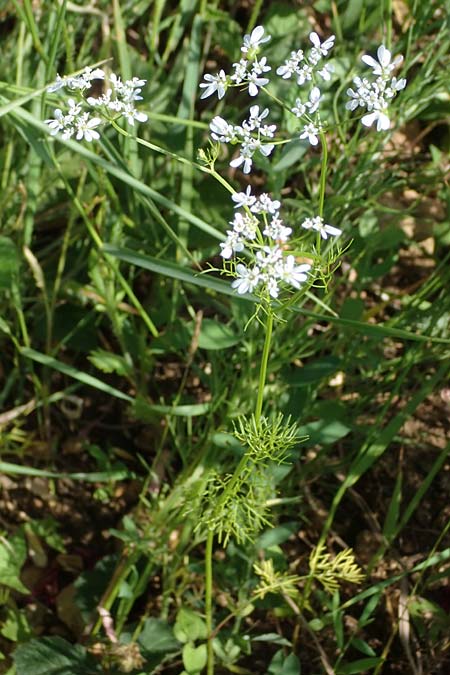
column 208, row 601
column 323, row 172
column 389, row 24
column 263, row 367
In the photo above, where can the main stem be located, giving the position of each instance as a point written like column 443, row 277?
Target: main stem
column 210, row 536
column 263, row 367
column 208, row 600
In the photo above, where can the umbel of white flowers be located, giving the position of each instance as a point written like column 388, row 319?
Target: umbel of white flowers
column 376, row 94
column 257, row 227
column 259, row 230
column 251, row 73
column 118, row 99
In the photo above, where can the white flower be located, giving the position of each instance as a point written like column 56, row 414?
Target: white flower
column 269, row 257
column 59, row 83
column 317, row 224
column 255, row 119
column 97, row 74
column 86, row 128
column 244, row 198
column 240, row 71
column 290, row 66
column 299, row 109
column 378, row 116
column 214, row 83
column 304, row 74
column 255, row 81
column 253, row 41
column 314, row 100
column 247, row 279
column 136, row 82
column 245, row 225
column 276, row 230
column 322, row 47
column 131, row 114
column 221, row 130
column 383, row 66
column 74, row 111
column 310, row 131
column 264, row 204
column 56, row 124
column 395, row 86
column 272, row 287
column 233, row 243
column 292, row 273
column 325, row 72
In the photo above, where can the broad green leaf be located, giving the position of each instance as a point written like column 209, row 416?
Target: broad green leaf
column 273, row 638
column 13, row 553
column 91, row 584
column 157, row 636
column 189, row 626
column 276, row 535
column 15, row 626
column 108, row 362
column 323, row 432
column 313, row 372
column 360, row 666
column 54, row 656
column 194, row 658
column 214, row 335
column 284, row 665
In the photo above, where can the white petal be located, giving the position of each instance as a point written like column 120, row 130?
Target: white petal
column 369, row 119
column 315, row 39
column 334, row 231
column 237, row 162
column 257, row 34
column 370, row 61
column 383, row 123
column 384, row 56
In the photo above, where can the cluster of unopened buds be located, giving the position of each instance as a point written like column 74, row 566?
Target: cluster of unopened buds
column 118, row 100
column 258, row 231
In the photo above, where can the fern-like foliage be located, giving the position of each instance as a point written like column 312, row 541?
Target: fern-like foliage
column 235, row 505
column 330, row 572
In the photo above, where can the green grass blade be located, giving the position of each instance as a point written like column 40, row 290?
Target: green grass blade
column 94, row 477
column 174, row 271
column 76, row 374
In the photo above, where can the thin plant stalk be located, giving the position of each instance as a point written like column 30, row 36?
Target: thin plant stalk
column 263, row 367
column 208, row 601
column 237, row 472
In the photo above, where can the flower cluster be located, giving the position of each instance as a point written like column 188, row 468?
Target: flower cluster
column 259, row 229
column 250, row 135
column 248, row 72
column 118, row 99
column 318, row 224
column 307, row 67
column 376, row 94
column 304, row 65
